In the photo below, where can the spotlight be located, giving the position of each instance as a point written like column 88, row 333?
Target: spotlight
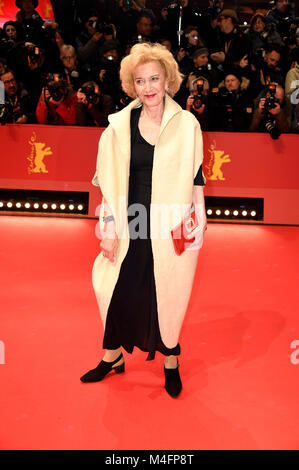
column 209, row 211
column 1, row 204
column 53, row 206
column 9, row 204
column 218, row 212
column 253, row 213
column 18, row 205
column 80, row 207
column 244, row 213
column 45, row 206
column 62, row 207
column 27, row 205
column 226, row 212
column 71, row 207
column 36, row 205
column 236, row 213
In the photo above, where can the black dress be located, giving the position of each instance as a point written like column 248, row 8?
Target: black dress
column 132, row 317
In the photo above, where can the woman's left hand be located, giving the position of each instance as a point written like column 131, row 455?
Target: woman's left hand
column 198, row 234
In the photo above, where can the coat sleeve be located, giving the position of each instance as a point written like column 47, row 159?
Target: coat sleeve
column 199, row 178
column 101, row 147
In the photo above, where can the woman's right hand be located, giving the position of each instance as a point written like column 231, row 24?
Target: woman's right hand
column 109, row 247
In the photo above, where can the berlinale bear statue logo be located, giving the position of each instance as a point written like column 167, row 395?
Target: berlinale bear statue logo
column 37, row 155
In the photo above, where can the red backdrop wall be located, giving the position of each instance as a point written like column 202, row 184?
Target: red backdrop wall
column 235, row 165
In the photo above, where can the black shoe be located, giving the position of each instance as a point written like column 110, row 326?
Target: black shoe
column 102, row 369
column 173, row 383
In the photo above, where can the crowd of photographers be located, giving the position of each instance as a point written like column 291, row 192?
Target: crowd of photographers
column 237, row 78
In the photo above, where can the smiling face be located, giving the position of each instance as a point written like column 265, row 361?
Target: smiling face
column 150, row 83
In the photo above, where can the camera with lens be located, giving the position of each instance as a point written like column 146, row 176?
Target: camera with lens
column 228, row 101
column 97, row 26
column 91, row 91
column 199, row 96
column 108, row 29
column 49, row 32
column 33, row 53
column 56, row 85
column 271, row 101
column 9, row 113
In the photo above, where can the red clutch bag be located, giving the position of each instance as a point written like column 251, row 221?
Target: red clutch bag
column 178, row 234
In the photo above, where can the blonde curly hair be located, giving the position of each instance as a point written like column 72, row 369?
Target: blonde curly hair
column 149, row 52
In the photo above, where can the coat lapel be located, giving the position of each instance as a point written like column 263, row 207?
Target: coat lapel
column 121, row 121
column 121, row 124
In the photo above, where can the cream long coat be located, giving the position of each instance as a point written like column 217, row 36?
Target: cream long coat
column 178, row 155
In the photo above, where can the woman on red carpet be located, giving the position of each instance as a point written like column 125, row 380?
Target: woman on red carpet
column 150, row 164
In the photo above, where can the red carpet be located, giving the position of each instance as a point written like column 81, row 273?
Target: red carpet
column 240, row 387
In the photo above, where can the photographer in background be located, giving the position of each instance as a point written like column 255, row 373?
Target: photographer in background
column 273, row 112
column 92, row 107
column 229, row 44
column 18, row 106
column 90, row 41
column 28, row 62
column 231, row 104
column 202, row 67
column 172, row 9
column 144, row 30
column 266, row 70
column 106, row 74
column 190, row 43
column 197, row 101
column 74, row 74
column 282, row 16
column 57, row 103
column 11, row 35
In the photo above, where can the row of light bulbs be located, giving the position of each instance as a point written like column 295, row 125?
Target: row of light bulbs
column 235, row 212
column 44, row 205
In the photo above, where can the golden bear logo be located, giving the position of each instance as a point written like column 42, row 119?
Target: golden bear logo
column 38, row 153
column 1, row 7
column 217, row 158
column 48, row 10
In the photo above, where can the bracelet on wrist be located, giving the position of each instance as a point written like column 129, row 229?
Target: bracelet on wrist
column 108, row 218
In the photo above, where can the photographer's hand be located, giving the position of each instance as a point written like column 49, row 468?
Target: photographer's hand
column 81, row 97
column 22, row 119
column 32, row 65
column 45, row 95
column 190, row 104
column 102, row 75
column 218, row 57
column 244, row 61
column 262, row 105
column 56, row 103
column 97, row 36
column 275, row 110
